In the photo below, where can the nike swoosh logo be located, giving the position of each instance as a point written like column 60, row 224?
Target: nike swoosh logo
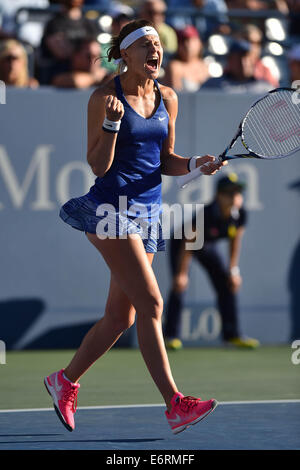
column 161, row 118
column 175, row 420
column 57, row 387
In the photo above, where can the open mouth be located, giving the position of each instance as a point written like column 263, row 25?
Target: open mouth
column 152, row 64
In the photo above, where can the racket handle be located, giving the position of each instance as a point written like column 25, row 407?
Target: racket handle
column 183, row 180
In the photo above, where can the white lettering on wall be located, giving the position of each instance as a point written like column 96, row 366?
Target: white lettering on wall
column 208, row 325
column 38, row 175
column 38, row 170
column 63, row 180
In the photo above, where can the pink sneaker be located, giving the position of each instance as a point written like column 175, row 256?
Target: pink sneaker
column 64, row 394
column 187, row 411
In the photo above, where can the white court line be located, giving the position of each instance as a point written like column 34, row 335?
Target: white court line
column 108, row 407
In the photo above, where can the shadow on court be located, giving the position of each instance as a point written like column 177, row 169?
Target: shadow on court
column 244, row 426
column 68, row 440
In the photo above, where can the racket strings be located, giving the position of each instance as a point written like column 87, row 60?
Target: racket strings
column 281, row 121
column 272, row 126
column 255, row 130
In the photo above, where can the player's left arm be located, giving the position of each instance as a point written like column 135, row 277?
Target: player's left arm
column 171, row 163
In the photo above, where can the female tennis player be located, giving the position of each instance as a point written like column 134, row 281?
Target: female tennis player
column 131, row 137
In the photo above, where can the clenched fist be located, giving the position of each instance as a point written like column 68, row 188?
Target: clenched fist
column 114, row 108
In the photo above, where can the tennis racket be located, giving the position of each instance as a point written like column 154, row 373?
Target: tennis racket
column 269, row 130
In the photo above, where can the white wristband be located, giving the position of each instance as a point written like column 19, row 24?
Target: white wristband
column 235, row 271
column 192, row 163
column 111, row 126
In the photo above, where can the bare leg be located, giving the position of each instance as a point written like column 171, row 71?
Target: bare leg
column 133, row 279
column 119, row 315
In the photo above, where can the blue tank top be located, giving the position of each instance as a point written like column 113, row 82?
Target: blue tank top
column 135, row 171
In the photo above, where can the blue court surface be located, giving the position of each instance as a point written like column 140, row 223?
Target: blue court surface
column 264, row 425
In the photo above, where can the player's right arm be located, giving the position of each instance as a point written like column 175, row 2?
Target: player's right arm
column 101, row 144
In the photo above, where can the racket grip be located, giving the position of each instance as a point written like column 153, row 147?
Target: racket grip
column 183, row 180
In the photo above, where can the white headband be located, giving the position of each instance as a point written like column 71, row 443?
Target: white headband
column 137, row 34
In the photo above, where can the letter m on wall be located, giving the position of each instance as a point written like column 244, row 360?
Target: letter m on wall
column 37, row 171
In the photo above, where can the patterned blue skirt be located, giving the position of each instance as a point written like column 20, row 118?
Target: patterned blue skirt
column 80, row 213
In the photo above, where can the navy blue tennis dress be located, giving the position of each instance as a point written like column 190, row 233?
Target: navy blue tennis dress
column 127, row 199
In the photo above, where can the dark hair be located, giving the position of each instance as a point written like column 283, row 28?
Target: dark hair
column 114, row 50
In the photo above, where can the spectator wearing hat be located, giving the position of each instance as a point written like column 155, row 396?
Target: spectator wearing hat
column 239, row 74
column 187, row 71
column 155, row 11
column 224, row 218
column 14, row 65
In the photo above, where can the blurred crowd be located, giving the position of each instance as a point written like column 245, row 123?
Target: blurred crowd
column 232, row 45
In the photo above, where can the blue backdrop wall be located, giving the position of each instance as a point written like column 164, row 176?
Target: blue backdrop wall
column 54, row 283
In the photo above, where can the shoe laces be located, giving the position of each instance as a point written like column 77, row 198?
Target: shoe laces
column 188, row 403
column 70, row 398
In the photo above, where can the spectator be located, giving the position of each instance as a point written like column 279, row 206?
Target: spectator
column 121, row 15
column 119, row 21
column 294, row 18
column 116, row 10
column 68, row 25
column 155, row 11
column 254, row 36
column 86, row 70
column 187, row 71
column 209, row 6
column 4, row 35
column 280, row 5
column 9, row 8
column 294, row 63
column 224, row 218
column 239, row 72
column 214, row 16
column 103, row 4
column 14, row 65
